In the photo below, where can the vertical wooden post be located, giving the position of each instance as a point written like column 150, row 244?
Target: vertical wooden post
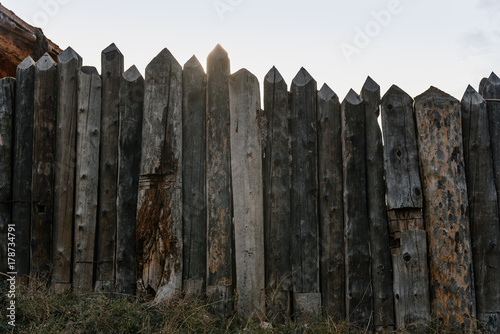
column 404, row 202
column 193, row 178
column 276, row 187
column 383, row 297
column 159, row 203
column 87, row 177
column 69, row 62
column 218, row 177
column 331, row 204
column 445, row 209
column 42, row 191
column 7, row 106
column 112, row 70
column 359, row 304
column 129, row 163
column 23, row 157
column 304, row 198
column 483, row 209
column 246, row 171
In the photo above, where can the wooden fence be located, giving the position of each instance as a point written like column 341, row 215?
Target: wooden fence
column 181, row 183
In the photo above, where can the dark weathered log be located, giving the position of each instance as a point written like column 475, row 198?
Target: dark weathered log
column 359, row 300
column 331, row 204
column 383, row 298
column 218, row 177
column 193, row 178
column 159, row 204
column 404, row 200
column 7, row 106
column 246, row 171
column 23, row 157
column 112, row 70
column 129, row 163
column 445, row 209
column 69, row 62
column 42, row 192
column 481, row 85
column 304, row 198
column 483, row 209
column 275, row 143
column 87, row 177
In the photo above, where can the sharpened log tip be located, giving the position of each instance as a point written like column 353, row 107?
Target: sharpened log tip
column 302, row 78
column 273, row 76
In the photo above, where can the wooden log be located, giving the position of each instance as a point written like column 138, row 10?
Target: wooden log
column 193, row 178
column 304, row 198
column 483, row 210
column 276, row 187
column 87, row 177
column 69, row 63
column 23, row 157
column 445, row 208
column 42, row 192
column 218, row 176
column 159, row 203
column 481, row 85
column 7, row 107
column 331, row 204
column 129, row 164
column 112, row 70
column 246, row 171
column 359, row 300
column 405, row 221
column 383, row 297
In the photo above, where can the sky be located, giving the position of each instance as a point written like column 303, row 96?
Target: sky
column 413, row 44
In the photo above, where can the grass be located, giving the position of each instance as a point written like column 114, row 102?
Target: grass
column 39, row 311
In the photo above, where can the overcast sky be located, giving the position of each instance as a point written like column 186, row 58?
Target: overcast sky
column 414, row 44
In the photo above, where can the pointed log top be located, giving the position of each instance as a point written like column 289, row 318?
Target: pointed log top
column 371, row 85
column 491, row 88
column 273, row 76
column 193, row 62
column 395, row 90
column 353, row 98
column 302, row 78
column 162, row 57
column 434, row 92
column 89, row 70
column 494, row 78
column 326, row 93
column 218, row 53
column 26, row 63
column 45, row 62
column 67, row 55
column 472, row 96
column 132, row 74
column 244, row 72
column 112, row 48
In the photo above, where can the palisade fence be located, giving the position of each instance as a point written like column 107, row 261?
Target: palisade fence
column 181, row 183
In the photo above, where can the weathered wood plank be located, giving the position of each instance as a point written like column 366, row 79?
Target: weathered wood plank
column 304, row 197
column 23, row 157
column 331, row 204
column 129, row 163
column 246, row 171
column 483, row 209
column 383, row 297
column 359, row 300
column 445, row 210
column 159, row 204
column 218, row 177
column 7, row 107
column 275, row 143
column 193, row 178
column 69, row 62
column 112, row 70
column 42, row 191
column 404, row 201
column 87, row 177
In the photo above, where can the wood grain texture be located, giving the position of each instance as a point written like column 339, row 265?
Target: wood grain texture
column 69, row 63
column 129, row 163
column 483, row 210
column 87, row 177
column 331, row 204
column 442, row 168
column 23, row 157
